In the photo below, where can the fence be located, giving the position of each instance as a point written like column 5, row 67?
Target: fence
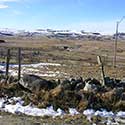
column 38, row 55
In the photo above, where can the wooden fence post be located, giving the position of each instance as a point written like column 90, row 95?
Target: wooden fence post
column 7, row 63
column 19, row 63
column 102, row 69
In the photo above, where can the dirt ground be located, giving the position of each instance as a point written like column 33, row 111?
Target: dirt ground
column 9, row 119
column 78, row 57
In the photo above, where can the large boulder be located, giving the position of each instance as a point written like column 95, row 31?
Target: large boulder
column 36, row 83
column 77, row 83
column 73, row 84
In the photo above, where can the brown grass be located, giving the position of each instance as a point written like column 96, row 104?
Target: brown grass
column 78, row 61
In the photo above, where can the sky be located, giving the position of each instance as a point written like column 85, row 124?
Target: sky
column 88, row 15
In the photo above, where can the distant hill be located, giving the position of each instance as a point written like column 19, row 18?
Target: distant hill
column 60, row 34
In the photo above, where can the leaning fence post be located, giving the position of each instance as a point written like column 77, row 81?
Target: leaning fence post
column 19, row 63
column 102, row 69
column 7, row 63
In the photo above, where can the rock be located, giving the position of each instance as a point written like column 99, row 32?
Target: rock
column 66, row 84
column 121, row 83
column 89, row 87
column 110, row 82
column 92, row 85
column 119, row 91
column 79, row 86
column 36, row 83
column 92, row 81
column 76, row 83
column 73, row 84
column 123, row 96
column 30, row 78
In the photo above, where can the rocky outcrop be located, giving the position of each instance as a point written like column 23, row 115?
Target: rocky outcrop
column 35, row 83
column 69, row 93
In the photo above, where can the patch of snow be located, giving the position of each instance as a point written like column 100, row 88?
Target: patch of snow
column 29, row 69
column 121, row 114
column 36, row 65
column 60, row 112
column 73, row 111
column 1, row 103
column 40, row 69
column 18, row 108
column 104, row 113
column 13, row 72
column 31, row 110
column 89, row 112
column 16, row 99
column 2, row 67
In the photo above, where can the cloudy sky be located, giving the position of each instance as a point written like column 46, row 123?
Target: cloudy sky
column 88, row 15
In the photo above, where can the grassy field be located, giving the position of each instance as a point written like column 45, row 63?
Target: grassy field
column 79, row 57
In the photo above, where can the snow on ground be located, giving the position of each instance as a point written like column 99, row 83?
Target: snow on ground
column 73, row 111
column 117, row 118
column 31, row 110
column 103, row 113
column 40, row 69
column 7, row 105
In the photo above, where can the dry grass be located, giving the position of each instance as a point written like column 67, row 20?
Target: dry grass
column 80, row 60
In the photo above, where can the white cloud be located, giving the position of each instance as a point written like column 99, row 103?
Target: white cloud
column 2, row 6
column 8, row 0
